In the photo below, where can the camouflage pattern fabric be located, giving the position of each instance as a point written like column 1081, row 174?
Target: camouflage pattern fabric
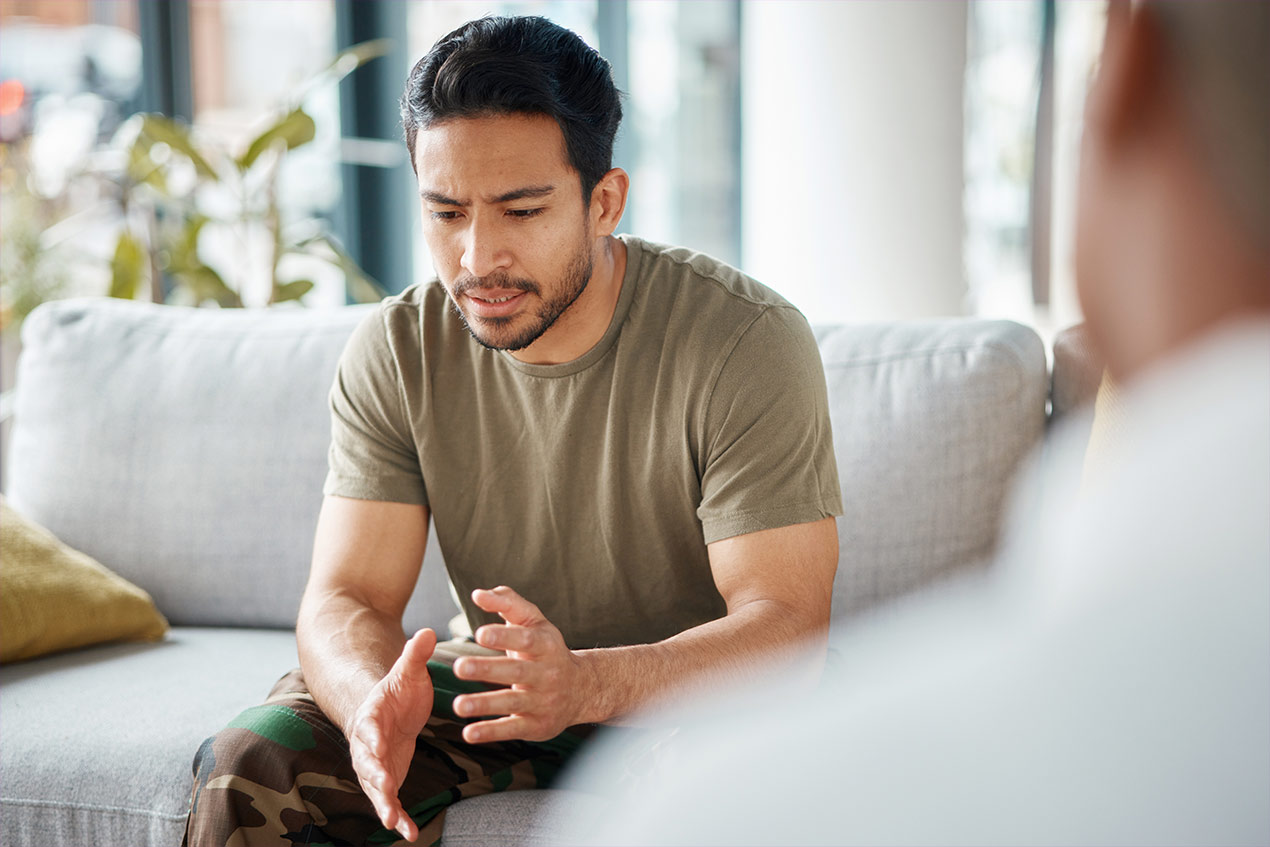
column 280, row 773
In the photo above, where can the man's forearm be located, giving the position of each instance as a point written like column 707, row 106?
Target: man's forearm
column 345, row 648
column 732, row 649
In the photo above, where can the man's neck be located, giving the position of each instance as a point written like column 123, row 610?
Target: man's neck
column 584, row 323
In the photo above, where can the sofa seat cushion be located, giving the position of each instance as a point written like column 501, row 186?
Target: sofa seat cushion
column 99, row 743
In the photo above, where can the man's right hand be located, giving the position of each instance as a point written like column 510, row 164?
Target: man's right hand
column 381, row 736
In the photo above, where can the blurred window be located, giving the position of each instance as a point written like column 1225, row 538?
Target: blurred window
column 1028, row 68
column 70, row 72
column 247, row 61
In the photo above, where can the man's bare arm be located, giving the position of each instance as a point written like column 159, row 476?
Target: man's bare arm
column 366, row 558
column 778, row 586
column 353, row 651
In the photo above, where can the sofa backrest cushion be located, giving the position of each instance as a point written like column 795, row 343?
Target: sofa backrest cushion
column 185, row 449
column 930, row 421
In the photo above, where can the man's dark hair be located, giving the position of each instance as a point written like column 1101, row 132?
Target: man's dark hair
column 522, row 65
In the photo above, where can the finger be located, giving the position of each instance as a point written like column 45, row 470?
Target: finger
column 406, row 827
column 383, row 797
column 384, row 805
column 502, row 702
column 371, row 773
column 511, row 606
column 498, row 636
column 510, row 728
column 499, row 670
column 412, row 665
column 367, row 736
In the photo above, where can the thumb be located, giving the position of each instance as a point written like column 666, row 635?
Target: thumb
column 413, row 662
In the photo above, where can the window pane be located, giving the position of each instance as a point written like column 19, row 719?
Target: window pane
column 70, row 72
column 250, row 60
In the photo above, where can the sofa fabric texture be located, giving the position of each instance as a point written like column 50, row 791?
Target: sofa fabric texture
column 185, row 450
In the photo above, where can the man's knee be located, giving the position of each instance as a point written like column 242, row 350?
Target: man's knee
column 268, row 774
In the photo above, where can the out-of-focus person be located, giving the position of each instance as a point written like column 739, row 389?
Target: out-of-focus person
column 1109, row 681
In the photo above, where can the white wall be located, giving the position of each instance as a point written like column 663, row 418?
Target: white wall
column 852, row 155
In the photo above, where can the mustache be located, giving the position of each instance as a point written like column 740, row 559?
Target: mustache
column 467, row 283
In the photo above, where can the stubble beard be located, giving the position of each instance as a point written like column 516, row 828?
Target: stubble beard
column 499, row 333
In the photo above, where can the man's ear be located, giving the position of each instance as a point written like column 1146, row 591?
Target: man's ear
column 608, row 201
column 1131, row 76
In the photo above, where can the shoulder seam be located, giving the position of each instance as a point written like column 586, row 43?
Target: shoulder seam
column 723, row 363
column 721, row 282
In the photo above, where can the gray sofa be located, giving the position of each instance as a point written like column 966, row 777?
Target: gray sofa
column 185, row 450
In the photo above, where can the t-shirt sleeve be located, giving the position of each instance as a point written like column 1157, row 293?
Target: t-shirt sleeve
column 373, row 454
column 769, row 459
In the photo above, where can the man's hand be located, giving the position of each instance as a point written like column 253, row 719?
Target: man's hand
column 546, row 690
column 381, row 736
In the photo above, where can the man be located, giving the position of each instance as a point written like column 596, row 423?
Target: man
column 1112, row 684
column 624, row 448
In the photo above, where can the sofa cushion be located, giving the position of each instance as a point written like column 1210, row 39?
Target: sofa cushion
column 185, row 450
column 98, row 744
column 930, row 420
column 54, row 598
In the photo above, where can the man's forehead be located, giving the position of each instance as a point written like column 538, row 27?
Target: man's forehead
column 489, row 156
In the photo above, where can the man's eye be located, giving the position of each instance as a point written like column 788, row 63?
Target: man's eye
column 444, row 216
column 524, row 213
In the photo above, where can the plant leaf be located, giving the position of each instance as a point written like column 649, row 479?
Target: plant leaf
column 177, row 136
column 344, row 63
column 295, row 128
column 360, row 285
column 291, row 290
column 206, row 284
column 127, row 267
column 143, row 169
column 182, row 252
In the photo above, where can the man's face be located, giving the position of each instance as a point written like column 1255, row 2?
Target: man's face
column 504, row 220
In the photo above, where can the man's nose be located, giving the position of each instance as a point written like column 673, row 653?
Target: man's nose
column 483, row 250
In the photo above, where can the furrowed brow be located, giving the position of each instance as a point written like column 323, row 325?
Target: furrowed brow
column 525, row 193
column 439, row 198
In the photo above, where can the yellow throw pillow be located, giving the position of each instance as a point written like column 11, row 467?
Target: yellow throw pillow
column 54, row 598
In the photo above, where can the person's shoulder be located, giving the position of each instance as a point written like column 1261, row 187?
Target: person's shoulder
column 415, row 300
column 407, row 316
column 693, row 305
column 664, row 269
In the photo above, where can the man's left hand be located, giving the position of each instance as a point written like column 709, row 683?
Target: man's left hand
column 546, row 682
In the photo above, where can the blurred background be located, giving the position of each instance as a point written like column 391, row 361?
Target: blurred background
column 869, row 160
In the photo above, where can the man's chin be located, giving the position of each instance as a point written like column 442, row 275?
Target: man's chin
column 501, row 333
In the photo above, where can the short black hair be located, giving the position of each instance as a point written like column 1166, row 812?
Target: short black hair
column 519, row 65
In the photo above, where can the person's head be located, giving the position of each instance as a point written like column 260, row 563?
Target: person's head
column 510, row 124
column 1173, row 227
column 519, row 66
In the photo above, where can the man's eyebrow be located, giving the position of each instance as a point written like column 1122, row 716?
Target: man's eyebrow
column 439, row 198
column 525, row 193
column 506, row 197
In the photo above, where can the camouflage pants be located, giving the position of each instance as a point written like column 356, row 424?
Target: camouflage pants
column 280, row 773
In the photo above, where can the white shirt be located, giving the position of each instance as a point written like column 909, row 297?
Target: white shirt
column 1108, row 683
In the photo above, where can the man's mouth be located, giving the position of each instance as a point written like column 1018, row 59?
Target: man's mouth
column 497, row 303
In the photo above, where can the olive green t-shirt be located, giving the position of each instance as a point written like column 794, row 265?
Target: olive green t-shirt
column 593, row 487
